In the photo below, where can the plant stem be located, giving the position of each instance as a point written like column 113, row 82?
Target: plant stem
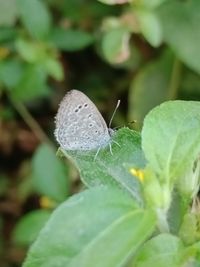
column 162, row 221
column 175, row 80
column 30, row 121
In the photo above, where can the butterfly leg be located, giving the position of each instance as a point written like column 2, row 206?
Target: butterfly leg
column 116, row 143
column 97, row 153
column 110, row 146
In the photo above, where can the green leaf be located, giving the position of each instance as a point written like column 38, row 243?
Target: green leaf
column 71, row 40
column 29, row 226
column 35, row 52
column 54, row 68
column 165, row 250
column 170, row 138
column 115, row 45
column 189, row 230
column 8, row 12
column 35, row 17
column 71, row 9
column 30, row 51
column 180, row 22
column 101, row 226
column 32, row 84
column 11, row 72
column 150, row 87
column 108, row 169
column 50, row 176
column 25, row 189
column 93, row 11
column 149, row 26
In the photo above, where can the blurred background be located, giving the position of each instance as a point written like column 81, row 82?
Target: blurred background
column 142, row 52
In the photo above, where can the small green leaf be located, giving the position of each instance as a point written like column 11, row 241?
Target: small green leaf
column 11, row 72
column 36, row 52
column 108, row 169
column 30, row 51
column 149, row 26
column 50, row 176
column 25, row 189
column 180, row 22
column 71, row 40
column 189, row 231
column 29, row 226
column 35, row 17
column 98, row 227
column 93, row 10
column 32, row 84
column 54, row 68
column 165, row 250
column 170, row 138
column 115, row 45
column 150, row 87
column 8, row 12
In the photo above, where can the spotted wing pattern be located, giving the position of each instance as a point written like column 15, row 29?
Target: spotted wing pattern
column 79, row 124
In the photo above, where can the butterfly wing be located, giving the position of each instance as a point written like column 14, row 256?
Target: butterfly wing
column 79, row 124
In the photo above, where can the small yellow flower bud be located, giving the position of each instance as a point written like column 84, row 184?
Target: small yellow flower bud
column 47, row 203
column 138, row 173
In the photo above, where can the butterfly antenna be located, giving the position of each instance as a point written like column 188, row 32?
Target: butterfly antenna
column 118, row 103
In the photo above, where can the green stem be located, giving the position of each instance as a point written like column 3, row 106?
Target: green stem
column 30, row 121
column 162, row 221
column 175, row 80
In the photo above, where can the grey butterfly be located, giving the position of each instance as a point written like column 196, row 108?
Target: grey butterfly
column 79, row 124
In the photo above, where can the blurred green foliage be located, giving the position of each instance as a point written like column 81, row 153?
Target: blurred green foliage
column 142, row 52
